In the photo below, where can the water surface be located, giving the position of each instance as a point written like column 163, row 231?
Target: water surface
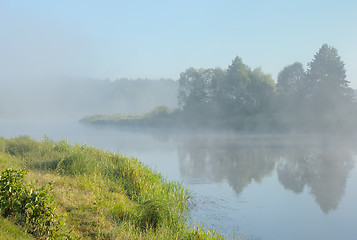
column 266, row 186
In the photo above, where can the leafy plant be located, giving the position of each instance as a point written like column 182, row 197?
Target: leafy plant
column 20, row 146
column 11, row 191
column 33, row 209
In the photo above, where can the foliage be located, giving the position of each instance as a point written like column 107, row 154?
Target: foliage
column 291, row 80
column 214, row 97
column 319, row 98
column 326, row 77
column 237, row 90
column 243, row 99
column 33, row 209
column 20, row 146
column 10, row 231
column 196, row 87
column 98, row 195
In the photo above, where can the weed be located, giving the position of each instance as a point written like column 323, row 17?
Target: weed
column 33, row 209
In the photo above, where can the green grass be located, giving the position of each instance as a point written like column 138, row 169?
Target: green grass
column 159, row 117
column 10, row 231
column 194, row 119
column 101, row 195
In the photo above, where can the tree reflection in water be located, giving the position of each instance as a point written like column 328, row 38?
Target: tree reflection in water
column 318, row 163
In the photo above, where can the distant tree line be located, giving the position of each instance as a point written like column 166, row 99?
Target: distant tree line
column 73, row 97
column 239, row 97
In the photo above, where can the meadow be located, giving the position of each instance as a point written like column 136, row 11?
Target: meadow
column 56, row 190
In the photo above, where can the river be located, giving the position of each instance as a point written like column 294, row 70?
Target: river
column 264, row 186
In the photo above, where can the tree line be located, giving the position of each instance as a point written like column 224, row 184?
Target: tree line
column 74, row 97
column 318, row 98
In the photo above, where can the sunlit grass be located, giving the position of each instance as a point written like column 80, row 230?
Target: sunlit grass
column 102, row 195
column 9, row 231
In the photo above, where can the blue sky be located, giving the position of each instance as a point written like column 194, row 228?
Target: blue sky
column 161, row 39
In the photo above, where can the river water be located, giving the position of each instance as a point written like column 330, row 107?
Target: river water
column 264, row 186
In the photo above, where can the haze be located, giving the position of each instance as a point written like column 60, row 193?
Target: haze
column 75, row 69
column 156, row 39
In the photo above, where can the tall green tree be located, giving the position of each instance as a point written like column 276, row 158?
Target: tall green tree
column 327, row 86
column 236, row 82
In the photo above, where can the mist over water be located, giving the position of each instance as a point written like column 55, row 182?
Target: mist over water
column 267, row 151
column 266, row 186
column 280, row 187
column 67, row 98
column 251, row 175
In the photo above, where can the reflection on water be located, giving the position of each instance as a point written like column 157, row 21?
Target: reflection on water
column 323, row 169
column 319, row 164
column 263, row 186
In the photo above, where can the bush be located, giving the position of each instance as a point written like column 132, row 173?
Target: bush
column 11, row 191
column 32, row 209
column 20, row 146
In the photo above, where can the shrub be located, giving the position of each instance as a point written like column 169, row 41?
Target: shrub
column 20, row 146
column 11, row 191
column 33, row 209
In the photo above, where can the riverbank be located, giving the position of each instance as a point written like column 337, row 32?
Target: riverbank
column 102, row 195
column 171, row 120
column 164, row 118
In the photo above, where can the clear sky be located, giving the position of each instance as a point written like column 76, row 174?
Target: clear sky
column 160, row 39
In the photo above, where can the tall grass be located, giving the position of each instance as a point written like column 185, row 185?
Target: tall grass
column 102, row 195
column 9, row 231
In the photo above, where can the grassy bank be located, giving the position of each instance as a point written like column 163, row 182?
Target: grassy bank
column 160, row 117
column 95, row 194
column 270, row 123
column 169, row 119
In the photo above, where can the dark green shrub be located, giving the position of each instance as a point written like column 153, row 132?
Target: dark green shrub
column 11, row 191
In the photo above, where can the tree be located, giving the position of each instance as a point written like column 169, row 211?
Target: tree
column 188, row 87
column 291, row 80
column 238, row 90
column 236, row 81
column 291, row 90
column 261, row 91
column 217, row 85
column 194, row 87
column 327, row 86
